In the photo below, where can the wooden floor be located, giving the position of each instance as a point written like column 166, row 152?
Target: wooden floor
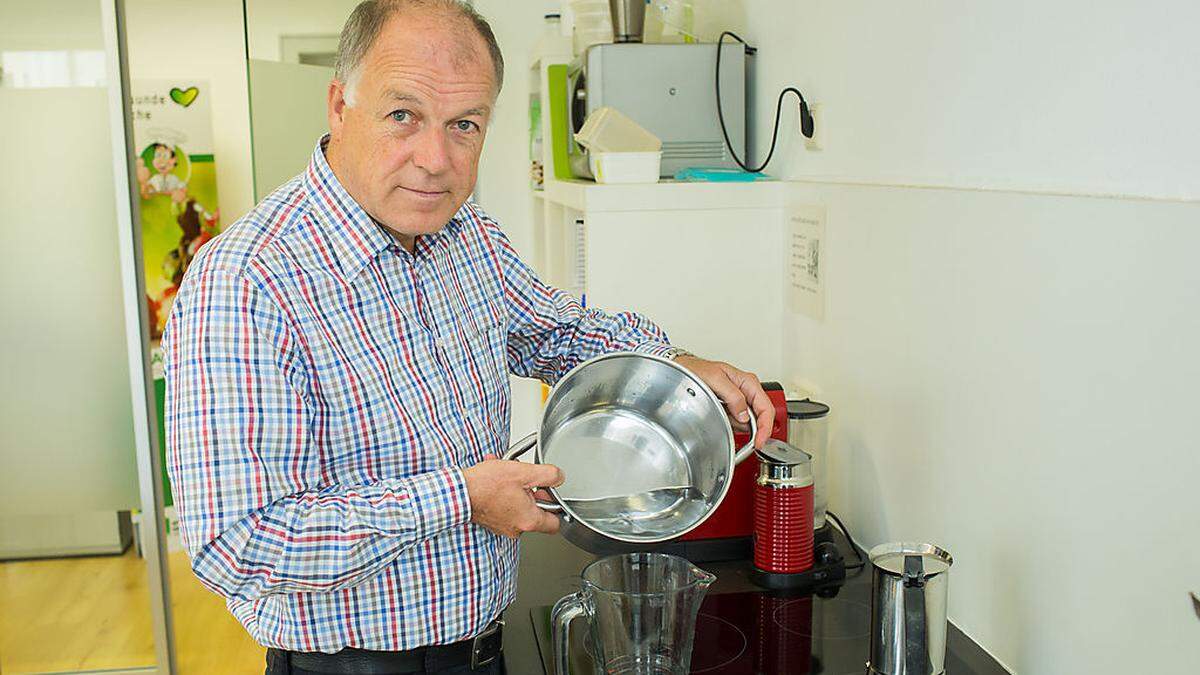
column 77, row 614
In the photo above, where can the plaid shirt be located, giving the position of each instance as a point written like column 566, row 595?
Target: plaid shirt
column 325, row 387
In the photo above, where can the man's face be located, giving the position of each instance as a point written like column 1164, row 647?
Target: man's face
column 164, row 159
column 408, row 149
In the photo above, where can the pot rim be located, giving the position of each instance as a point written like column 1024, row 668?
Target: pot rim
column 701, row 386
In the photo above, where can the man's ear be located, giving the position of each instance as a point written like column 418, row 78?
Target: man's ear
column 336, row 107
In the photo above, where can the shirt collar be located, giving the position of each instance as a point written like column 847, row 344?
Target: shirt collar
column 357, row 239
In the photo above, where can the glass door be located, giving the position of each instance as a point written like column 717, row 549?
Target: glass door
column 80, row 561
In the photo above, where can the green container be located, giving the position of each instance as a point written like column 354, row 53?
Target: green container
column 556, row 81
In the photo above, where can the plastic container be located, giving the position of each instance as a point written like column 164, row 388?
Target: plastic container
column 609, row 130
column 554, row 41
column 591, row 23
column 671, row 21
column 808, row 429
column 625, row 167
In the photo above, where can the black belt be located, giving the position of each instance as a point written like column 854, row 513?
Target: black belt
column 476, row 652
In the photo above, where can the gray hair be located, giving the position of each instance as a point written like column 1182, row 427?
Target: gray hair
column 367, row 20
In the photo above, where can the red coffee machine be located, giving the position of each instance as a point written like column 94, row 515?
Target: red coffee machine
column 728, row 534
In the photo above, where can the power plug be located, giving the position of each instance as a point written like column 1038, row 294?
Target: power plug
column 817, row 140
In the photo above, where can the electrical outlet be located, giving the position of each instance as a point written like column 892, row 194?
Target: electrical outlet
column 817, row 142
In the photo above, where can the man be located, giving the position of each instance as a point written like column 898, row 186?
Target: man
column 337, row 371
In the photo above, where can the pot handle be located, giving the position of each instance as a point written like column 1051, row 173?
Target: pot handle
column 521, row 447
column 747, row 449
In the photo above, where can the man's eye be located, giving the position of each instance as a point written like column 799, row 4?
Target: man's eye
column 466, row 126
column 401, row 116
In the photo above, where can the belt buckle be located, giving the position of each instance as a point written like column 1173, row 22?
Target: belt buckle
column 481, row 641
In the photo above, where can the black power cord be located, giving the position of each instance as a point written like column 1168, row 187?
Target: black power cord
column 806, row 120
column 862, row 562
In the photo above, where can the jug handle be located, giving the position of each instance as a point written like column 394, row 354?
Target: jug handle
column 916, row 645
column 521, row 447
column 747, row 449
column 565, row 610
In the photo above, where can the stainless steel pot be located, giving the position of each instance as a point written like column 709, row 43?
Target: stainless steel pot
column 644, row 437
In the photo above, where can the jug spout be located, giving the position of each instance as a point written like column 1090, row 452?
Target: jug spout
column 702, row 579
column 690, row 595
column 693, row 595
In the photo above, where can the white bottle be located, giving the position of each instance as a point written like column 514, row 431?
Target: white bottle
column 553, row 41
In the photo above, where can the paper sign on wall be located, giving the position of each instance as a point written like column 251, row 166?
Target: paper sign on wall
column 805, row 291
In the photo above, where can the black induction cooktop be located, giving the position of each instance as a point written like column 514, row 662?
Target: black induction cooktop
column 768, row 633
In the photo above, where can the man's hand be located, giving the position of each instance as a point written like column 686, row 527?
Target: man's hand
column 736, row 388
column 501, row 497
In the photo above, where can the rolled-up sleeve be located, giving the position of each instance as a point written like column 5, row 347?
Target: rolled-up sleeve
column 550, row 332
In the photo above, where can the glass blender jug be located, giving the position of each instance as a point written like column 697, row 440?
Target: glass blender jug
column 641, row 610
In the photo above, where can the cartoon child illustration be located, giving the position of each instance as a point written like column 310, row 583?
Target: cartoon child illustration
column 163, row 181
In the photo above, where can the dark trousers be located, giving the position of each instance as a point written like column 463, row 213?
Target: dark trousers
column 278, row 663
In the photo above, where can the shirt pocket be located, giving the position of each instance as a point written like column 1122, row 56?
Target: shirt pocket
column 479, row 369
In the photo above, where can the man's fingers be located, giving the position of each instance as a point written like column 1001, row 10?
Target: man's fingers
column 543, row 475
column 536, row 520
column 547, row 522
column 764, row 411
column 766, row 420
column 543, row 495
column 756, row 400
column 731, row 394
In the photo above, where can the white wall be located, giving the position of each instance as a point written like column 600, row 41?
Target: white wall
column 268, row 20
column 1071, row 96
column 1011, row 377
column 1010, row 373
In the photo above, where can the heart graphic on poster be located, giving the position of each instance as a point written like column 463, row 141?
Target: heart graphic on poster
column 184, row 97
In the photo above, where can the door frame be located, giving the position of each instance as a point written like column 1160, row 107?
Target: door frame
column 137, row 336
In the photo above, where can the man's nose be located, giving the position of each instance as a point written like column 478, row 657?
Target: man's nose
column 432, row 152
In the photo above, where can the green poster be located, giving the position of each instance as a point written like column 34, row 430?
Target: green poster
column 177, row 180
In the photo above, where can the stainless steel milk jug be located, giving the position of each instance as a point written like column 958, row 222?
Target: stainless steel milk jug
column 908, row 609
